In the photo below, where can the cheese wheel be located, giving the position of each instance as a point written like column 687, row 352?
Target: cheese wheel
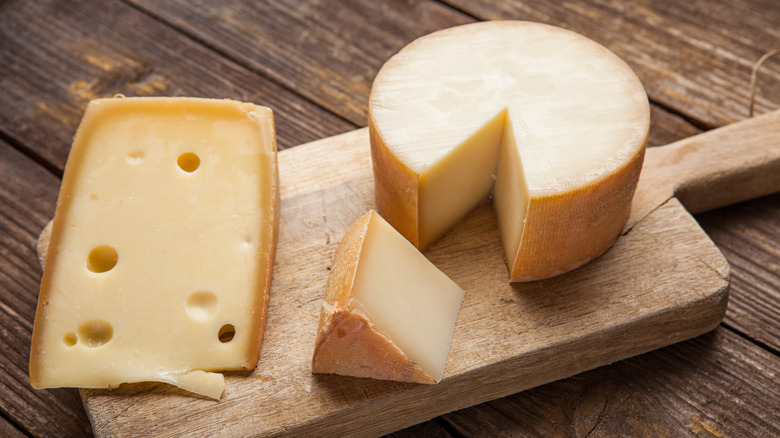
column 551, row 123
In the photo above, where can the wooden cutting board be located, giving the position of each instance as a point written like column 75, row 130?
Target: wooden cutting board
column 662, row 282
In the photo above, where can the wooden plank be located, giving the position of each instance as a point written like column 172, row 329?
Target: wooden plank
column 652, row 394
column 48, row 191
column 57, row 56
column 749, row 236
column 429, row 429
column 669, row 131
column 661, row 283
column 8, row 430
column 694, row 57
column 701, row 68
column 338, row 62
column 666, row 128
column 27, row 194
column 717, row 168
column 747, row 232
column 339, row 46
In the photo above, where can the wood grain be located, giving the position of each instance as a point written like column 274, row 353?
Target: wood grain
column 655, row 394
column 27, row 195
column 749, row 236
column 57, row 56
column 35, row 70
column 429, row 429
column 337, row 62
column 693, row 57
column 721, row 167
column 9, row 431
column 662, row 283
column 666, row 128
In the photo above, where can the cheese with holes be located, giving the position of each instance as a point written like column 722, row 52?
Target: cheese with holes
column 162, row 246
column 389, row 313
column 550, row 122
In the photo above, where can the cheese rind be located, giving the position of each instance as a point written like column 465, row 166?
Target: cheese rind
column 161, row 251
column 450, row 111
column 388, row 312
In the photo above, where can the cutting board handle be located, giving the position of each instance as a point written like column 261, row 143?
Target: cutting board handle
column 724, row 166
column 727, row 165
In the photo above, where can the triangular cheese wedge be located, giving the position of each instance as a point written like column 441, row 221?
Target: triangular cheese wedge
column 389, row 313
column 551, row 122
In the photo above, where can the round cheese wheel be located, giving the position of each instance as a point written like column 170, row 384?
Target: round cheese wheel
column 551, row 123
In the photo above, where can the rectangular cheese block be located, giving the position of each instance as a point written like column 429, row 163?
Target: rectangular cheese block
column 161, row 252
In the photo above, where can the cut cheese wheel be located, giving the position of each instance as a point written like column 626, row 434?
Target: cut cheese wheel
column 389, row 313
column 550, row 121
column 160, row 255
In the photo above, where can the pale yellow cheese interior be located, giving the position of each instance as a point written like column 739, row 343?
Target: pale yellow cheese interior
column 511, row 193
column 159, row 259
column 456, row 106
column 406, row 297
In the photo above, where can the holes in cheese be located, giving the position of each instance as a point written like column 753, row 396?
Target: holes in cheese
column 201, row 305
column 389, row 313
column 70, row 339
column 178, row 268
column 226, row 333
column 188, row 162
column 101, row 259
column 550, row 122
column 95, row 333
column 135, row 157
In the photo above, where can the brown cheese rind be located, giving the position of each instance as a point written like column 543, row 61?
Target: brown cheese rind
column 347, row 342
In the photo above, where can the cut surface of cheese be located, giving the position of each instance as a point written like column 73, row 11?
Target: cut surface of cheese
column 550, row 121
column 389, row 313
column 161, row 251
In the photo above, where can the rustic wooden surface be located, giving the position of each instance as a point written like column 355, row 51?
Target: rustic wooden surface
column 313, row 62
column 720, row 167
column 663, row 282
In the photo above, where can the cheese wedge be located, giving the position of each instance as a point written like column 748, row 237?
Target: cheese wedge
column 389, row 313
column 162, row 246
column 551, row 122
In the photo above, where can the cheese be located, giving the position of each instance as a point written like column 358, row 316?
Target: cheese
column 389, row 313
column 552, row 123
column 162, row 246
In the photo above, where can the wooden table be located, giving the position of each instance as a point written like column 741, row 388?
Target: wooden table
column 313, row 63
